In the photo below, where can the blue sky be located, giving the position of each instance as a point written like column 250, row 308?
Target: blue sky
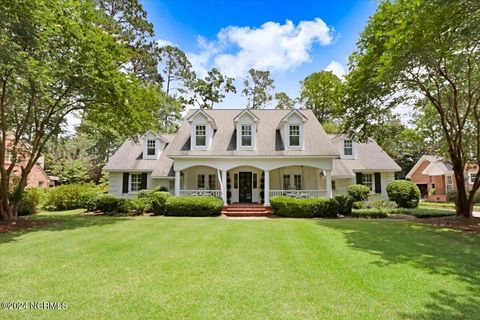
column 291, row 39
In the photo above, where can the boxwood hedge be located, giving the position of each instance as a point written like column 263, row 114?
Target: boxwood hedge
column 405, row 193
column 304, row 208
column 193, row 206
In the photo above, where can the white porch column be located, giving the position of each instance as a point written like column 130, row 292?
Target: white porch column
column 224, row 187
column 177, row 182
column 267, row 188
column 329, row 183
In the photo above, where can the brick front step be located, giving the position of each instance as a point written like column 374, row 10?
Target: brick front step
column 248, row 210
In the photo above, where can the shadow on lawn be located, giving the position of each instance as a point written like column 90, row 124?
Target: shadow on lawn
column 61, row 222
column 435, row 250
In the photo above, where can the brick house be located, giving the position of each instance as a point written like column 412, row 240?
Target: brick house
column 37, row 176
column 435, row 173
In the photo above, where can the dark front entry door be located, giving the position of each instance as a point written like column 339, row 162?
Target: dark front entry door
column 245, row 187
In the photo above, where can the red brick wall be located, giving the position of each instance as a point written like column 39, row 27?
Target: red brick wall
column 36, row 178
column 419, row 178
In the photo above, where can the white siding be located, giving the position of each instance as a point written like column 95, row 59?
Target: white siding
column 115, row 183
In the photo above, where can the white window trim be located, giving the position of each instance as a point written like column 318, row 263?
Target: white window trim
column 471, row 176
column 8, row 156
column 154, row 147
column 130, row 182
column 242, row 135
column 372, row 186
column 287, row 136
column 239, row 135
column 342, row 150
column 194, row 136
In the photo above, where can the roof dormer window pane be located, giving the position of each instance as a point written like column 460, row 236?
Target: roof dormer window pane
column 151, row 147
column 294, row 135
column 200, row 135
column 246, row 135
column 348, row 147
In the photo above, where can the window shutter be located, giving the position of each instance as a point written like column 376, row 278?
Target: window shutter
column 359, row 177
column 378, row 183
column 143, row 183
column 125, row 182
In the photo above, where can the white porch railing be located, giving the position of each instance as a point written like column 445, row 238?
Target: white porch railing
column 301, row 194
column 215, row 193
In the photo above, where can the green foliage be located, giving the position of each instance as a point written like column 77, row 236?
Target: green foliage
column 425, row 213
column 452, row 196
column 358, row 205
column 159, row 199
column 257, row 89
column 107, row 203
column 369, row 213
column 177, row 69
column 322, row 93
column 193, row 206
column 212, row 89
column 67, row 197
column 89, row 200
column 378, row 204
column 284, row 101
column 345, row 203
column 304, row 208
column 405, row 193
column 31, row 199
column 358, row 192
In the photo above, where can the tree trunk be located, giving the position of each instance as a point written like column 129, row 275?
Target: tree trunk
column 463, row 203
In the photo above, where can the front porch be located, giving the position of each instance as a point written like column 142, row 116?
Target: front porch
column 253, row 184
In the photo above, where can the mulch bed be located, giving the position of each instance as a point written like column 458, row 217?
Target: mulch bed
column 457, row 223
column 22, row 223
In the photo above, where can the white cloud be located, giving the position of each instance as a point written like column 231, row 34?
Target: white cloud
column 337, row 69
column 164, row 43
column 272, row 46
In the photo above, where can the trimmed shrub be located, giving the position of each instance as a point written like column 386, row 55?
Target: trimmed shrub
column 126, row 206
column 345, row 203
column 89, row 200
column 107, row 203
column 193, row 206
column 304, row 208
column 31, row 198
column 369, row 213
column 159, row 199
column 379, row 204
column 405, row 193
column 67, row 196
column 358, row 192
column 161, row 188
column 358, row 205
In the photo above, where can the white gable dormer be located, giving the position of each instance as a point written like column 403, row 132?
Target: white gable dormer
column 346, row 147
column 292, row 128
column 153, row 145
column 246, row 123
column 203, row 127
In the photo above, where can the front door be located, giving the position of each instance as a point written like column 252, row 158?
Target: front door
column 245, row 187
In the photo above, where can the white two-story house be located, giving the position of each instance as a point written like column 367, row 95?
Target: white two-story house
column 249, row 156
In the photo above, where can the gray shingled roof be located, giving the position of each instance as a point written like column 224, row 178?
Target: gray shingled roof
column 129, row 158
column 268, row 141
column 370, row 157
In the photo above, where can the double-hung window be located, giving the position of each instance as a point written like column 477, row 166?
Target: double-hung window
column 201, row 182
column 297, row 181
column 367, row 180
column 8, row 157
column 286, row 182
column 471, row 177
column 294, row 135
column 135, row 182
column 200, row 135
column 212, row 181
column 246, row 132
column 151, row 147
column 348, row 147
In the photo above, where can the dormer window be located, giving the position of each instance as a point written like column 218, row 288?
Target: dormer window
column 246, row 135
column 200, row 135
column 151, row 147
column 294, row 135
column 8, row 157
column 348, row 147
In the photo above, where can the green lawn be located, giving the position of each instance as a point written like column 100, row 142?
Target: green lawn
column 211, row 268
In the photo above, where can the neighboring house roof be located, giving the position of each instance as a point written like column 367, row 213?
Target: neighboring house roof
column 268, row 139
column 438, row 166
column 129, row 157
column 369, row 157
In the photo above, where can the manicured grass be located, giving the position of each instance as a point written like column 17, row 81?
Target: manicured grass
column 417, row 212
column 449, row 205
column 211, row 268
